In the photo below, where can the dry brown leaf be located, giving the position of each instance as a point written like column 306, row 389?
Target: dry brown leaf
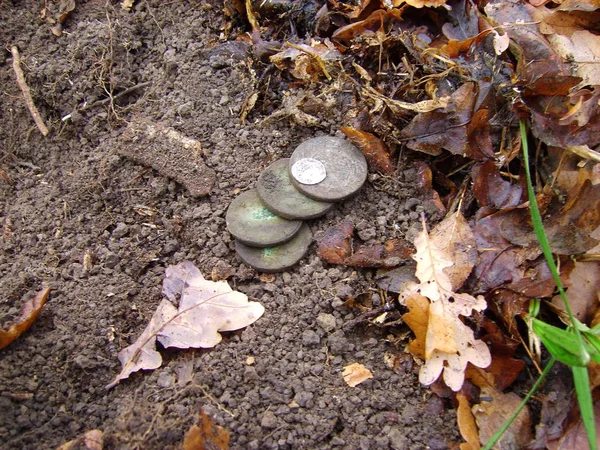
column 491, row 414
column 454, row 235
column 374, row 149
column 205, row 308
column 356, row 373
column 575, row 436
column 308, row 62
column 449, row 343
column 91, row 440
column 583, row 290
column 29, row 312
column 207, row 435
column 466, row 424
column 417, row 319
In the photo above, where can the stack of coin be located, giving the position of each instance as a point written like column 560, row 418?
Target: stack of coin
column 267, row 221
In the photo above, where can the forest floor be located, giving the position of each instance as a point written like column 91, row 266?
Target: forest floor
column 81, row 216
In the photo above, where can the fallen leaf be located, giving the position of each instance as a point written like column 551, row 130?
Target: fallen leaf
column 417, row 319
column 308, row 62
column 393, row 280
column 583, row 290
column 494, row 409
column 336, row 247
column 29, row 312
column 424, row 184
column 491, row 190
column 377, row 20
column 207, row 435
column 205, row 308
column 504, row 369
column 457, row 128
column 90, row 440
column 449, row 343
column 336, row 244
column 454, row 235
column 466, row 423
column 356, row 373
column 374, row 149
column 389, row 254
column 556, row 402
column 575, row 436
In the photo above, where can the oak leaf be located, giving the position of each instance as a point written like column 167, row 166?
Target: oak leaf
column 449, row 343
column 205, row 308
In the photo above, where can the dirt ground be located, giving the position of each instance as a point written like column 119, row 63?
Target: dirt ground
column 90, row 212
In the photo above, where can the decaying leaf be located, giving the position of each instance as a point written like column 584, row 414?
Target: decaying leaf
column 466, row 424
column 337, row 247
column 449, row 344
column 575, row 436
column 29, row 312
column 336, row 244
column 491, row 414
column 458, row 128
column 356, row 373
column 207, row 435
column 454, row 235
column 205, row 308
column 308, row 62
column 374, row 149
column 90, row 440
column 583, row 291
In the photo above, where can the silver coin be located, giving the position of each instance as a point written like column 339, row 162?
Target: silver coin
column 308, row 171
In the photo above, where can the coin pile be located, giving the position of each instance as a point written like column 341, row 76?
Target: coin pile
column 267, row 222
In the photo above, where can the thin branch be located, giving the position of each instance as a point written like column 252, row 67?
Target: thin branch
column 26, row 92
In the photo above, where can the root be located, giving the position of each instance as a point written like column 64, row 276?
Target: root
column 26, row 92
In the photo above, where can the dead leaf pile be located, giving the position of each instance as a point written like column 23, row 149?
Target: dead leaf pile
column 205, row 307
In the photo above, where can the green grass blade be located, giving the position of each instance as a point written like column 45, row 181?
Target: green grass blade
column 540, row 233
column 586, row 405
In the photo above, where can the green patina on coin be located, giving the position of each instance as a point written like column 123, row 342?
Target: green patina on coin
column 250, row 222
column 278, row 258
column 263, row 214
column 279, row 194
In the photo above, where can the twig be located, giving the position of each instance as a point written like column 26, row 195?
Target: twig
column 367, row 315
column 26, row 92
column 108, row 99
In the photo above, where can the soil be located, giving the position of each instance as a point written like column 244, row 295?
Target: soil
column 97, row 212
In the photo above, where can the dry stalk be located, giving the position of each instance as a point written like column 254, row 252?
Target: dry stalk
column 26, row 92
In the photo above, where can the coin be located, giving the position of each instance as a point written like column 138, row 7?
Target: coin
column 279, row 194
column 345, row 166
column 308, row 171
column 278, row 258
column 252, row 223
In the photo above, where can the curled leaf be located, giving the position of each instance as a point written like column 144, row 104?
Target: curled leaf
column 29, row 312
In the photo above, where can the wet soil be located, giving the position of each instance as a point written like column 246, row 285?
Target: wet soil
column 99, row 208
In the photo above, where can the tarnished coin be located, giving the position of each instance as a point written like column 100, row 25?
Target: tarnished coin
column 345, row 166
column 308, row 171
column 278, row 258
column 278, row 194
column 252, row 223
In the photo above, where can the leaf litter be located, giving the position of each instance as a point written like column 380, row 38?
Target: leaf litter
column 452, row 87
column 204, row 309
